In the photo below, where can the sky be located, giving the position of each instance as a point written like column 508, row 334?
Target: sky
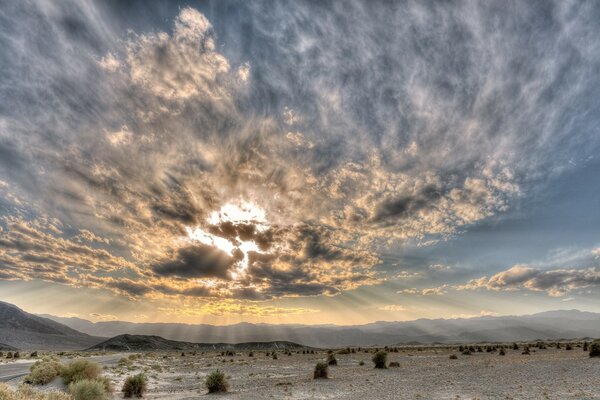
column 299, row 161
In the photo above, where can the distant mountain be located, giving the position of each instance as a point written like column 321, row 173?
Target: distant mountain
column 546, row 325
column 27, row 331
column 157, row 343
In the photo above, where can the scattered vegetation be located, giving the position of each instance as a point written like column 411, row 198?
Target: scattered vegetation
column 321, row 371
column 380, row 360
column 466, row 352
column 216, row 382
column 394, row 364
column 526, row 351
column 502, row 352
column 135, row 386
column 453, row 357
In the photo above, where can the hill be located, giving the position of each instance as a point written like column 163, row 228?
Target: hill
column 157, row 343
column 22, row 330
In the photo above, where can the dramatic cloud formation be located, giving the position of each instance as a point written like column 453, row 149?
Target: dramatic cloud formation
column 281, row 149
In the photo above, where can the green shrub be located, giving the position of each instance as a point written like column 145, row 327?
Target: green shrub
column 321, row 371
column 595, row 349
column 216, row 382
column 43, row 372
column 135, row 385
column 79, row 370
column 331, row 360
column 88, row 389
column 380, row 359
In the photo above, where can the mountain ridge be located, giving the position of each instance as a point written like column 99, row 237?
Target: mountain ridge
column 545, row 325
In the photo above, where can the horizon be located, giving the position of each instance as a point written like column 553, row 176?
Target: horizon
column 315, row 163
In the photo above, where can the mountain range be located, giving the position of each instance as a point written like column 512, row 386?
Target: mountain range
column 566, row 324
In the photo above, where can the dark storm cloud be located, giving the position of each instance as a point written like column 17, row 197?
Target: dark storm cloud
column 197, row 261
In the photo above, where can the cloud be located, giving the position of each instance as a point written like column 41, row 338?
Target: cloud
column 556, row 282
column 124, row 143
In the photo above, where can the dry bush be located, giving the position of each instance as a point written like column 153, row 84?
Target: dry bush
column 321, row 371
column 43, row 372
column 79, row 370
column 88, row 389
column 135, row 385
column 216, row 382
column 380, row 360
column 26, row 392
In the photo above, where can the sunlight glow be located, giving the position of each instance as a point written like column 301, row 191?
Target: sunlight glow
column 241, row 212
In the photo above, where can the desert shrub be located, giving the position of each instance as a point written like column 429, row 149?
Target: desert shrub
column 472, row 349
column 515, row 346
column 585, row 346
column 79, row 370
column 331, row 360
column 394, row 364
column 344, row 351
column 26, row 392
column 526, row 351
column 251, row 354
column 380, row 359
column 361, row 363
column 16, row 354
column 274, row 356
column 453, row 356
column 216, row 382
column 466, row 352
column 461, row 348
column 9, row 355
column 568, row 347
column 43, row 372
column 501, row 352
column 595, row 349
column 321, row 371
column 88, row 389
column 135, row 385
column 479, row 349
column 33, row 354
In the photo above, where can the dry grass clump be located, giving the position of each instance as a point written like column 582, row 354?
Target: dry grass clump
column 321, row 371
column 380, row 360
column 216, row 382
column 79, row 370
column 88, row 389
column 135, row 385
column 26, row 392
column 43, row 372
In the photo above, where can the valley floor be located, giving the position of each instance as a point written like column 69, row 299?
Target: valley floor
column 428, row 374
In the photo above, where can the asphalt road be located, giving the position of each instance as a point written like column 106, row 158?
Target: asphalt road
column 14, row 370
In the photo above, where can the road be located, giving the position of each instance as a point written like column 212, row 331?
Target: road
column 17, row 369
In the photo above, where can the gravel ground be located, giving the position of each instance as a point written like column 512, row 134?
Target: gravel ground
column 428, row 374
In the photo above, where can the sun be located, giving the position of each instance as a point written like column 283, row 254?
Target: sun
column 236, row 212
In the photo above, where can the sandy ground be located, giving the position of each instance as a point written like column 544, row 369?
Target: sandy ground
column 428, row 374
